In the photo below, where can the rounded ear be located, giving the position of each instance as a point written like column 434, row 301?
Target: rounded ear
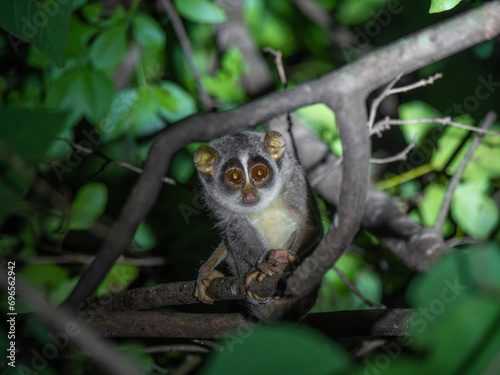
column 205, row 159
column 275, row 144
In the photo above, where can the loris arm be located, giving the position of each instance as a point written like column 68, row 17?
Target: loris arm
column 208, row 273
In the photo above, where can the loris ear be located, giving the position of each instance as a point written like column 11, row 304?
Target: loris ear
column 275, row 144
column 205, row 159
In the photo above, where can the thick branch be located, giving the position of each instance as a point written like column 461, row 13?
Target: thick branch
column 181, row 293
column 351, row 323
column 407, row 54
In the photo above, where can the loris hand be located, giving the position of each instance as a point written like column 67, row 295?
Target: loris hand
column 204, row 278
column 276, row 261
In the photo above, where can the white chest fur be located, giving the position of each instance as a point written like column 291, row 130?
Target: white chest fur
column 276, row 224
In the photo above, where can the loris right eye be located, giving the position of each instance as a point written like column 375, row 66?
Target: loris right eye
column 235, row 176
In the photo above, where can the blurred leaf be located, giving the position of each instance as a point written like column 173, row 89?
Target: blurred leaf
column 144, row 237
column 182, row 167
column 109, row 48
column 305, row 349
column 321, row 119
column 355, row 12
column 118, row 279
column 461, row 288
column 448, row 143
column 267, row 29
column 141, row 110
column 443, row 5
column 474, row 210
column 224, row 85
column 413, row 111
column 148, row 32
column 45, row 25
column 88, row 206
column 83, row 92
column 29, row 133
column 430, row 205
column 138, row 355
column 203, row 11
column 44, row 276
column 185, row 105
column 369, row 285
column 25, row 137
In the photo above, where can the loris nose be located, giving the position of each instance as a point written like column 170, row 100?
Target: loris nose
column 250, row 197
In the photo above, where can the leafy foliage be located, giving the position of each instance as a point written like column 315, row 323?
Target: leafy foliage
column 90, row 84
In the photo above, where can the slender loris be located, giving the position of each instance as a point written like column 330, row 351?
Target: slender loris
column 259, row 193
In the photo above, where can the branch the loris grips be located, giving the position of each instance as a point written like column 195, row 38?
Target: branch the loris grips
column 181, row 293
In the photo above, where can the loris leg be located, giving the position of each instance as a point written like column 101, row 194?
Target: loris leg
column 276, row 261
column 207, row 273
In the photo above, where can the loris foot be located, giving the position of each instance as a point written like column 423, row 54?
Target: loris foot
column 204, row 278
column 277, row 261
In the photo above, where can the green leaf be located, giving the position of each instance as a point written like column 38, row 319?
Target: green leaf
column 443, row 5
column 29, row 133
column 431, row 203
column 118, row 279
column 448, row 143
column 44, row 275
column 88, row 206
column 305, row 349
column 141, row 110
column 321, row 119
column 413, row 111
column 45, row 25
column 225, row 84
column 355, row 12
column 267, row 29
column 474, row 210
column 202, row 11
column 461, row 288
column 84, row 92
column 185, row 105
column 109, row 48
column 25, row 138
column 144, row 237
column 182, row 167
column 148, row 32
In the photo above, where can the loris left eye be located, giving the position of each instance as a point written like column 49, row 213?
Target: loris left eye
column 259, row 173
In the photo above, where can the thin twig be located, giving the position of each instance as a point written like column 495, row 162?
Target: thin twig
column 376, row 102
column 390, row 90
column 87, row 151
column 488, row 120
column 279, row 64
column 181, row 33
column 356, row 291
column 386, row 123
column 278, row 61
column 87, row 259
column 399, row 156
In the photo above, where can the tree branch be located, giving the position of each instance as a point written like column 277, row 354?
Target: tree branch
column 180, row 31
column 445, row 207
column 349, row 323
column 59, row 320
column 410, row 53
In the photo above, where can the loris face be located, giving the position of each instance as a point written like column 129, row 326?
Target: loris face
column 240, row 172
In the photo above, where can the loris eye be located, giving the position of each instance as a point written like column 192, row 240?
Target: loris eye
column 259, row 173
column 235, row 176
